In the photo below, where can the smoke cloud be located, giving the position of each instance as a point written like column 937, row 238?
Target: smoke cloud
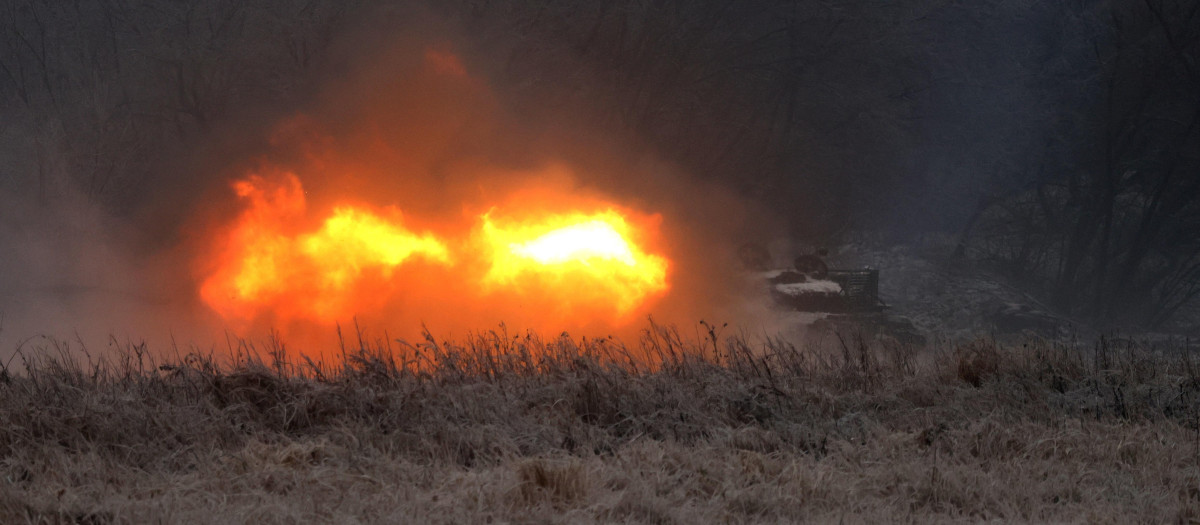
column 406, row 120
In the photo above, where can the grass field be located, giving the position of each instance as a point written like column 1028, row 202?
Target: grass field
column 497, row 428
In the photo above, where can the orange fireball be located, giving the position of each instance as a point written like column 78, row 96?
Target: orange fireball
column 574, row 256
column 542, row 267
column 265, row 265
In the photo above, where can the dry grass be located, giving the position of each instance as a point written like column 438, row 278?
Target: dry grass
column 499, row 428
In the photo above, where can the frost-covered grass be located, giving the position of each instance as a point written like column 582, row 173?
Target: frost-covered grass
column 670, row 430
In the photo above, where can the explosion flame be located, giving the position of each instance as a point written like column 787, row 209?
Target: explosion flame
column 589, row 255
column 578, row 266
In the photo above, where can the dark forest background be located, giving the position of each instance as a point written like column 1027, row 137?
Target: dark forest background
column 1059, row 141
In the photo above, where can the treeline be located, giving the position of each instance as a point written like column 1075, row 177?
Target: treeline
column 803, row 105
column 1105, row 222
column 95, row 94
column 1059, row 139
column 800, row 105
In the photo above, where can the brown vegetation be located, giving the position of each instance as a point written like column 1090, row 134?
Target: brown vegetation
column 521, row 429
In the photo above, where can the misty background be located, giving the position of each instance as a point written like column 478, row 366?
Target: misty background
column 1057, row 144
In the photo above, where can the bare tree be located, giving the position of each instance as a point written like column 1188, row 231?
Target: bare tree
column 1113, row 234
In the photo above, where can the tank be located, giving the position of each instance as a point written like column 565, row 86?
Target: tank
column 811, row 286
column 838, row 291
